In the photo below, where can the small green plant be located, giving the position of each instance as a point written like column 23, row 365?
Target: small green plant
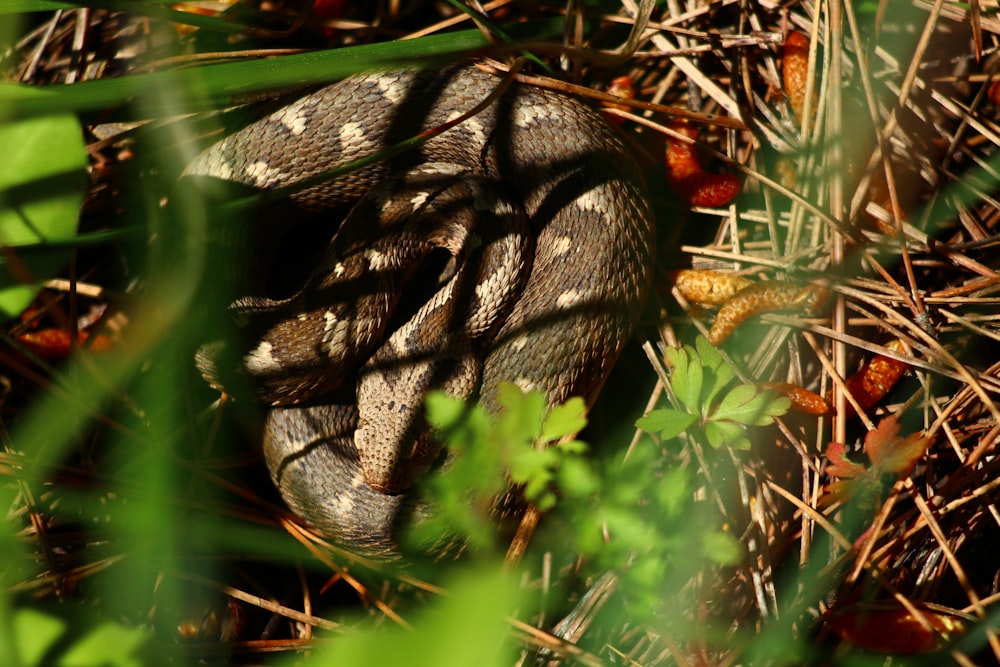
column 43, row 638
column 527, row 444
column 702, row 382
column 630, row 514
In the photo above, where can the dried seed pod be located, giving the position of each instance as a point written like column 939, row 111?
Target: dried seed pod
column 802, row 399
column 708, row 288
column 689, row 179
column 795, row 73
column 876, row 378
column 763, row 297
column 53, row 344
column 622, row 87
column 994, row 93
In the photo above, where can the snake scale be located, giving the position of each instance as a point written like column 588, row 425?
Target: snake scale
column 527, row 224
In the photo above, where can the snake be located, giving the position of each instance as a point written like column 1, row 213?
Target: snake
column 516, row 246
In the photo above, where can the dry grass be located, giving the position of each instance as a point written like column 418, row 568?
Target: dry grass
column 887, row 198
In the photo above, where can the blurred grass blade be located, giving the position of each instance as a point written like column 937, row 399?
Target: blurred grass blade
column 220, row 82
column 42, row 181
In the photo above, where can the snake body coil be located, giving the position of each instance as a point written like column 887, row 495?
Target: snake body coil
column 547, row 241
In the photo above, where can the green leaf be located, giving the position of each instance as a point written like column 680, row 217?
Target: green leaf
column 565, row 419
column 109, row 643
column 529, row 464
column 573, row 447
column 673, row 492
column 668, row 423
column 717, row 373
column 443, row 410
column 712, row 358
column 462, row 426
column 722, row 548
column 686, row 377
column 42, row 183
column 746, row 404
column 471, row 617
column 577, row 478
column 522, row 414
column 625, row 526
column 726, row 434
column 36, row 632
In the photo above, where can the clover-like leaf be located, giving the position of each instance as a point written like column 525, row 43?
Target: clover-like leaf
column 686, row 377
column 565, row 419
column 746, row 404
column 109, row 643
column 668, row 423
column 35, row 634
column 711, row 358
column 726, row 434
column 522, row 414
column 718, row 374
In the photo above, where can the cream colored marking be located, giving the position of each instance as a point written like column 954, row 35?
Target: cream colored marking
column 261, row 358
column 350, row 133
column 504, row 275
column 525, row 384
column 391, row 88
column 504, row 208
column 345, row 503
column 377, row 260
column 562, row 245
column 339, row 269
column 527, row 115
column 261, row 174
column 294, row 118
column 518, row 343
column 419, row 199
column 591, row 201
column 569, row 298
column 224, row 170
column 439, row 169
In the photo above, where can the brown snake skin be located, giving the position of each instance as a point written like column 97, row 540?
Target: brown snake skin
column 547, row 243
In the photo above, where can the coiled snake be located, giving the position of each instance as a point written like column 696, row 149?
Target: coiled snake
column 529, row 227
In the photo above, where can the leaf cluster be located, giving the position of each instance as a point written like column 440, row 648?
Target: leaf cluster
column 631, row 514
column 702, row 382
column 646, row 524
column 526, row 443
